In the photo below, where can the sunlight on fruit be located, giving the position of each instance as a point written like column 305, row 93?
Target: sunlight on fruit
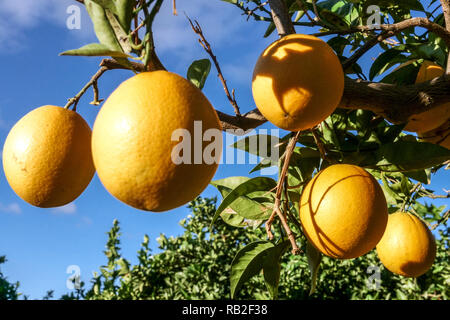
column 135, row 165
column 297, row 82
column 408, row 247
column 343, row 211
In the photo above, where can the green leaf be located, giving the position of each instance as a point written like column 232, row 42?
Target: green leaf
column 419, row 175
column 95, row 49
column 270, row 29
column 314, row 259
column 245, row 188
column 247, row 263
column 198, row 72
column 305, row 160
column 230, row 217
column 102, row 27
column 334, row 19
column 264, row 163
column 124, row 11
column 382, row 62
column 262, row 145
column 338, row 44
column 391, row 196
column 390, row 133
column 272, row 268
column 329, row 134
column 403, row 75
column 107, row 4
column 411, row 155
column 119, row 32
column 253, row 206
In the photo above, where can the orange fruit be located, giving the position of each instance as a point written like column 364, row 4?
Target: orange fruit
column 298, row 82
column 408, row 247
column 428, row 120
column 133, row 141
column 440, row 135
column 47, row 156
column 343, row 211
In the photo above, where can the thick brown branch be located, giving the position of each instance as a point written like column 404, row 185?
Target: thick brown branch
column 239, row 125
column 396, row 28
column 446, row 11
column 281, row 18
column 395, row 103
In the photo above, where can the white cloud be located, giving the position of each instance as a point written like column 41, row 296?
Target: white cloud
column 84, row 221
column 13, row 208
column 68, row 209
column 218, row 19
column 17, row 17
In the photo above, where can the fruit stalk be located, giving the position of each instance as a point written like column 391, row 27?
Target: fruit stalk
column 93, row 82
column 276, row 207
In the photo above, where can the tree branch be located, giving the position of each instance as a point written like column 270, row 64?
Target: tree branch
column 392, row 102
column 93, row 82
column 446, row 11
column 395, row 28
column 281, row 18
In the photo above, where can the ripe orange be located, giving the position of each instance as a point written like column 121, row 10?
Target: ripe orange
column 298, row 81
column 440, row 135
column 428, row 120
column 407, row 247
column 343, row 211
column 47, row 156
column 132, row 142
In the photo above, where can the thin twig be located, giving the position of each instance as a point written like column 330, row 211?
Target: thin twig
column 316, row 11
column 305, row 10
column 366, row 47
column 286, row 204
column 74, row 101
column 320, row 145
column 174, row 8
column 205, row 44
column 435, row 196
column 251, row 12
column 442, row 220
column 96, row 100
column 276, row 208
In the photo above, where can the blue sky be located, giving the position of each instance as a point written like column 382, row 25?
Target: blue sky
column 41, row 243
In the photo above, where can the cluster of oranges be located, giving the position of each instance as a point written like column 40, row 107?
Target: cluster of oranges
column 51, row 155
